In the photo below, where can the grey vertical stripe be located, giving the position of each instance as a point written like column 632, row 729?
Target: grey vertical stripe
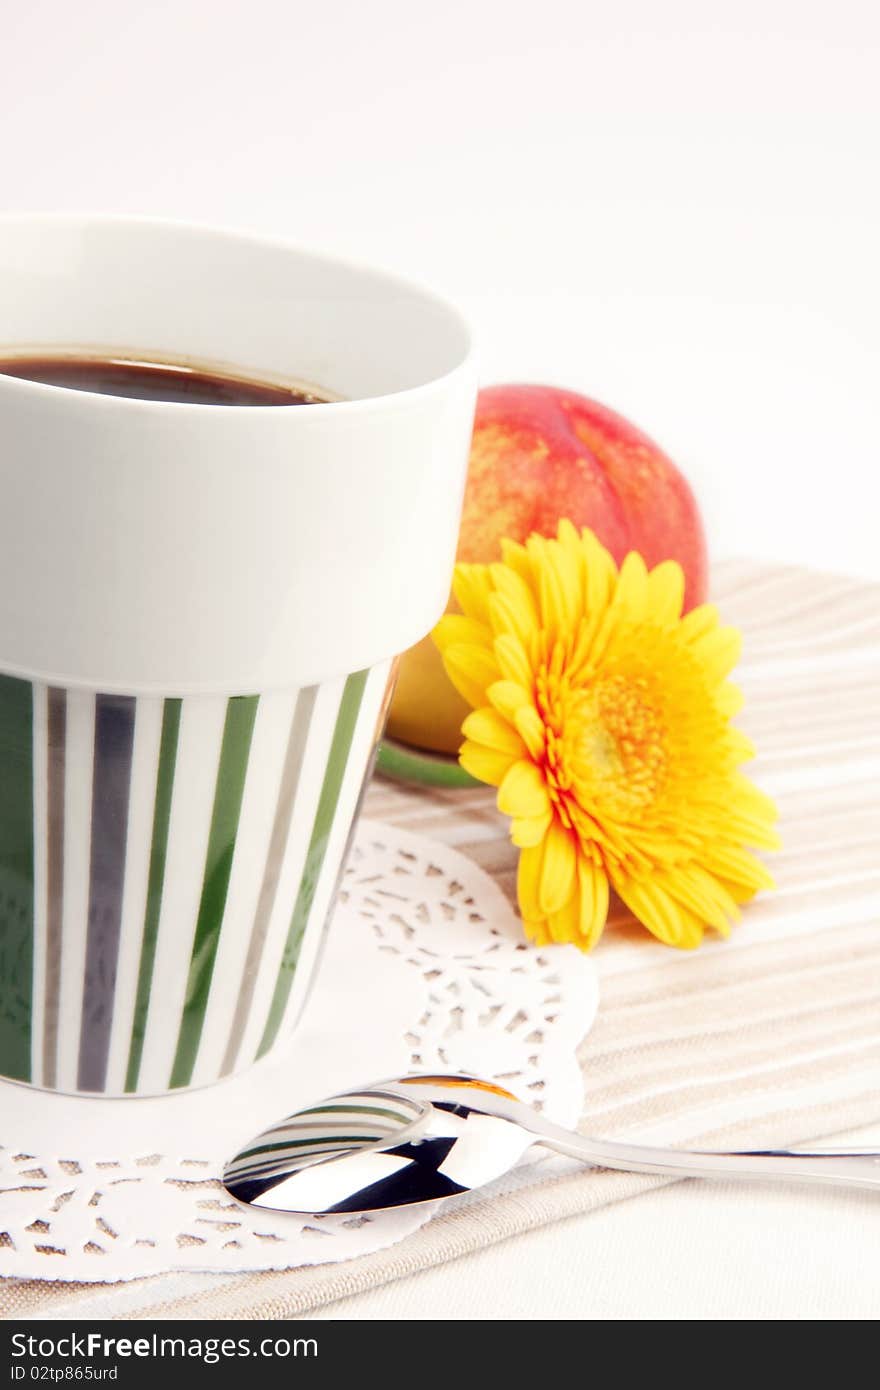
column 296, row 745
column 381, row 721
column 56, row 734
column 114, row 740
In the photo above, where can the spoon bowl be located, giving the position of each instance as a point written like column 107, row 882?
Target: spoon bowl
column 430, row 1137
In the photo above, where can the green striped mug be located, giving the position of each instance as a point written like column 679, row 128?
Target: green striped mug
column 202, row 609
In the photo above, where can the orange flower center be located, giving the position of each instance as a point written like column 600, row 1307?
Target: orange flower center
column 606, row 744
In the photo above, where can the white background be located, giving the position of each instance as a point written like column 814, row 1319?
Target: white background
column 673, row 207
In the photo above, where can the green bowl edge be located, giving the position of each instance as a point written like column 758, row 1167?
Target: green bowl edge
column 428, row 769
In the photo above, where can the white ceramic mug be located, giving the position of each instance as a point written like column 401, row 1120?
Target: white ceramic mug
column 200, row 607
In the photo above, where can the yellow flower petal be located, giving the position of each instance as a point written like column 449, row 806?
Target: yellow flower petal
column 523, row 791
column 512, row 606
column 704, row 896
column 698, row 622
column 632, row 594
column 528, row 831
column 718, row 652
column 486, row 764
column 487, row 726
column 666, row 592
column 558, row 870
column 559, row 582
column 472, row 670
column 750, row 797
column 536, row 931
column 600, row 575
column 663, row 917
column 741, row 749
column 728, row 700
column 455, row 629
column 472, row 585
column 563, row 924
column 738, row 891
column 509, row 617
column 513, row 659
column 738, row 866
column 516, row 558
column 569, row 567
column 750, row 815
column 508, row 697
column 528, row 878
column 691, row 930
column 592, row 903
column 625, row 609
column 530, row 728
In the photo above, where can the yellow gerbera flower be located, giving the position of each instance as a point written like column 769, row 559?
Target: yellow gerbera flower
column 603, row 718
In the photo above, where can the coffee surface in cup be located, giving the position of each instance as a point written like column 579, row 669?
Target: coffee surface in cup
column 154, row 381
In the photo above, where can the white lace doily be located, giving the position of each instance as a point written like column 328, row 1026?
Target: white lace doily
column 425, row 968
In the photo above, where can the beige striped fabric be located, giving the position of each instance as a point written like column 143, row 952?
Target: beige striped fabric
column 772, row 1036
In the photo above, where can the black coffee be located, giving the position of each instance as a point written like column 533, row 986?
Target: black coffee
column 153, row 381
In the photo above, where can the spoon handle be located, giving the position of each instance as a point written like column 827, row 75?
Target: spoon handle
column 849, row 1167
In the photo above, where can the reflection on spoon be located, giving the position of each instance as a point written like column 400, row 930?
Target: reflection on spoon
column 426, row 1138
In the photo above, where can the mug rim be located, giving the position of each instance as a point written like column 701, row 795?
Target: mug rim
column 243, row 237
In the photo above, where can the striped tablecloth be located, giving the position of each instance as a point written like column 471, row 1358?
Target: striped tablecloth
column 773, row 1035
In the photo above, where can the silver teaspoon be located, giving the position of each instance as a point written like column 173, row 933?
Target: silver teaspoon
column 426, row 1138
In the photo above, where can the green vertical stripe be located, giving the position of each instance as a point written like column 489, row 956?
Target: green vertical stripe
column 343, row 734
column 16, row 875
column 155, row 883
column 241, row 712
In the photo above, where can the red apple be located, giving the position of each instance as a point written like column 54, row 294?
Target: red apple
column 538, row 454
